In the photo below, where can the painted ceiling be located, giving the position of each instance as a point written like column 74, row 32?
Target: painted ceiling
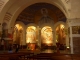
column 32, row 13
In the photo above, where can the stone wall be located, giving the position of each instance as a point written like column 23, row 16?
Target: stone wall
column 76, row 45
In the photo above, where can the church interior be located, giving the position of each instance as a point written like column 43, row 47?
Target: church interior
column 42, row 28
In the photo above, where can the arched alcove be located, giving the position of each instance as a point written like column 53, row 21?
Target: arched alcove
column 47, row 35
column 18, row 34
column 31, row 34
column 61, row 30
column 60, row 34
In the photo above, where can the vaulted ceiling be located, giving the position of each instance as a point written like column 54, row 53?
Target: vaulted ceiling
column 32, row 13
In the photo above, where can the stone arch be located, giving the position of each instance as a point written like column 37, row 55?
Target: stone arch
column 52, row 27
column 31, row 24
column 46, row 24
column 34, row 35
column 47, row 35
column 59, row 22
column 16, row 12
column 66, row 28
column 23, row 32
column 21, row 23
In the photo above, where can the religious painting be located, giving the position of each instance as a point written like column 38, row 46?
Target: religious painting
column 47, row 35
column 60, row 34
column 31, row 34
column 18, row 34
column 45, row 18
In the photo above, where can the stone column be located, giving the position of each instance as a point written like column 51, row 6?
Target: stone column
column 67, row 38
column 0, row 31
column 10, row 32
column 69, row 23
column 67, row 32
column 54, row 38
column 39, row 36
column 71, row 40
column 74, row 25
column 24, row 37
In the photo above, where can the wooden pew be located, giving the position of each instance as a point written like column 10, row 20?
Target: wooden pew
column 41, row 56
column 25, row 55
column 62, row 57
column 51, row 56
column 14, row 56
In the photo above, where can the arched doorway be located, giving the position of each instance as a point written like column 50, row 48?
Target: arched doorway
column 47, row 36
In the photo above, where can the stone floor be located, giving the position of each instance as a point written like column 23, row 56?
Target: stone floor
column 46, row 51
column 38, row 51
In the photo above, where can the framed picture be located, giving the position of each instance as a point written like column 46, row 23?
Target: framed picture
column 75, row 29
